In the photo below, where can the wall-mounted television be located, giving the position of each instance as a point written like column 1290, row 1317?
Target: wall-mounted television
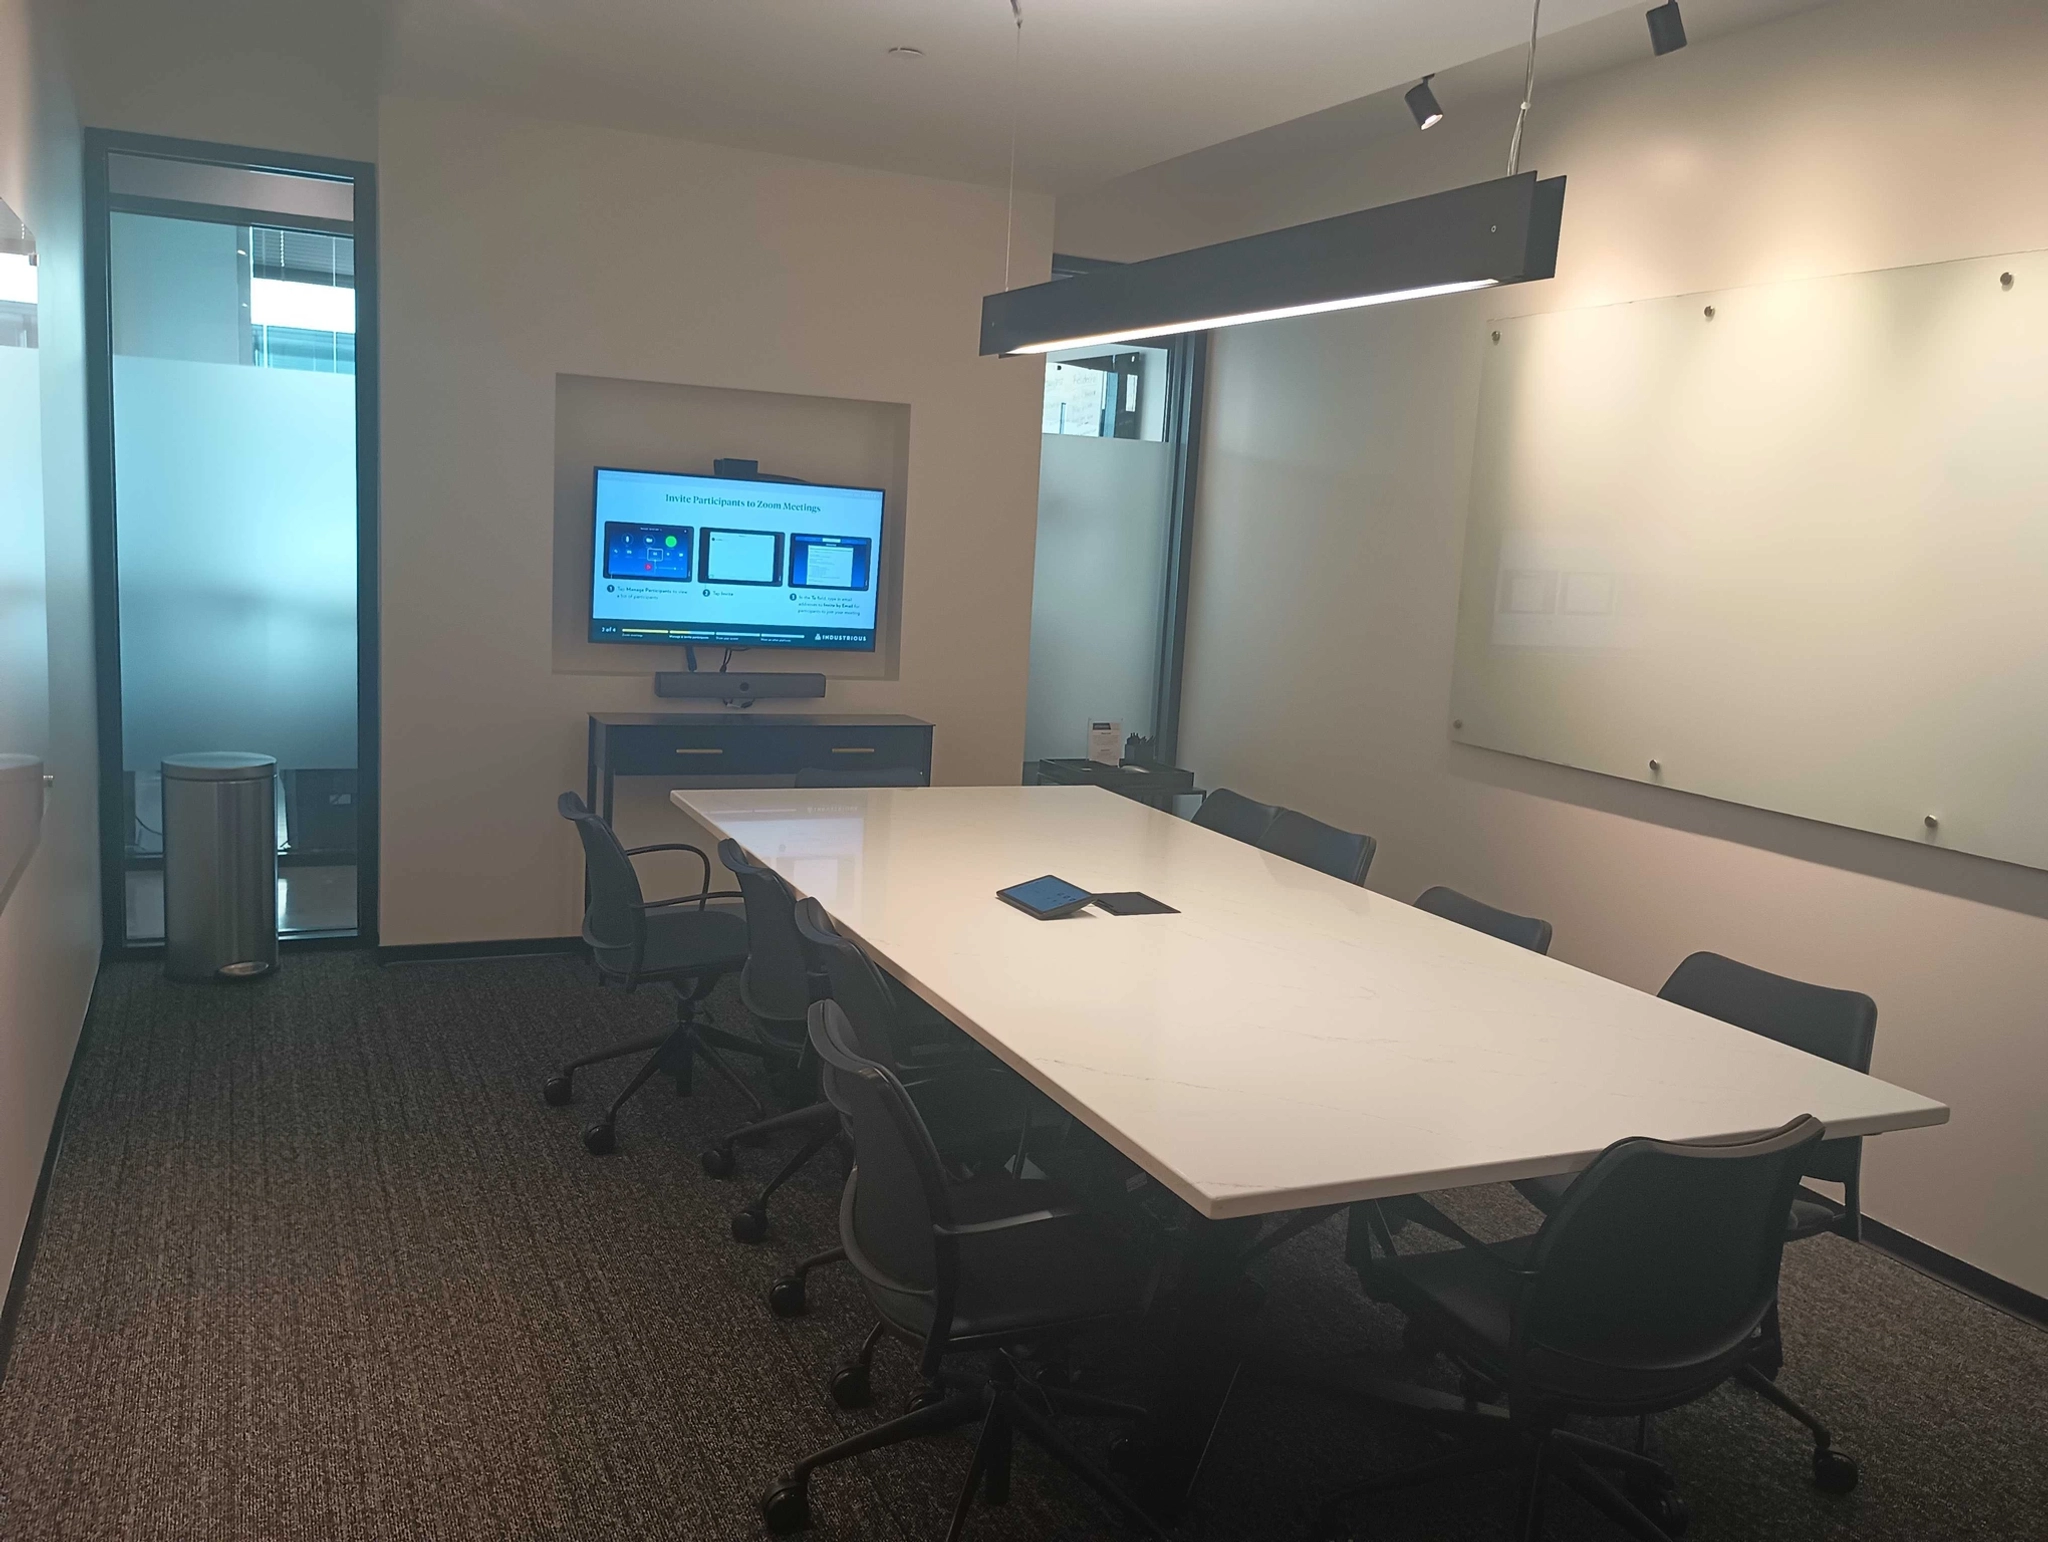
column 739, row 563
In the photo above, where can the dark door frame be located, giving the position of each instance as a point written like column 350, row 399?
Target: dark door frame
column 100, row 203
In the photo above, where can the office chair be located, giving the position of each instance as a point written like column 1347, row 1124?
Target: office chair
column 854, row 776
column 1323, row 847
column 1522, row 931
column 777, row 988
column 1836, row 1025
column 635, row 941
column 1645, row 1289
column 980, row 1112
column 989, row 1264
column 1232, row 814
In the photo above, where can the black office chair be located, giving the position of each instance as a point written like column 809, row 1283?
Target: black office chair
column 854, row 776
column 1645, row 1289
column 1523, row 931
column 1836, row 1025
column 989, row 1264
column 981, row 1113
column 1323, row 847
column 682, row 943
column 777, row 988
column 1233, row 814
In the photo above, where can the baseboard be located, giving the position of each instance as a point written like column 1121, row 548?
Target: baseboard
column 32, row 1228
column 456, row 952
column 1950, row 1270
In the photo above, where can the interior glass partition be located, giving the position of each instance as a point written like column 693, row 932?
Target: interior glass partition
column 1115, row 479
column 235, row 516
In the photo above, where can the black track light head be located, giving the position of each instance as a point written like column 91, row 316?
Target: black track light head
column 1667, row 28
column 1422, row 102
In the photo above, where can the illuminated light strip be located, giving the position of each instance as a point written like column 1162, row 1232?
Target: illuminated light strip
column 17, row 279
column 1281, row 313
column 277, row 302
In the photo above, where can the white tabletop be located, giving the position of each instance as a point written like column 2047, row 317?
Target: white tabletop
column 1287, row 1039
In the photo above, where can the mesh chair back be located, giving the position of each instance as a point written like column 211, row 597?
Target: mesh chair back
column 1662, row 1257
column 1522, row 931
column 776, row 982
column 1836, row 1025
column 859, row 776
column 614, row 925
column 1233, row 814
column 900, row 1188
column 874, row 1025
column 1323, row 847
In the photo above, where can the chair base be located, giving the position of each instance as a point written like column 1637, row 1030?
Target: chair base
column 821, row 1124
column 676, row 1052
column 994, row 1400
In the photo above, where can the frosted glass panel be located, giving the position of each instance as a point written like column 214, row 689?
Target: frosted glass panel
column 238, row 561
column 1098, row 589
column 1785, row 546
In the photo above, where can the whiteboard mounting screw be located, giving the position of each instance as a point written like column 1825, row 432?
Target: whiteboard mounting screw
column 1708, row 313
column 1656, row 765
column 2005, row 281
column 1931, row 822
column 1458, row 724
column 1496, row 337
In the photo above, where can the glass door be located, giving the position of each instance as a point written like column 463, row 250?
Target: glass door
column 235, row 516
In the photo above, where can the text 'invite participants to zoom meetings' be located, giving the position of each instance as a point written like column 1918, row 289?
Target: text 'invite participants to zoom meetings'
column 718, row 560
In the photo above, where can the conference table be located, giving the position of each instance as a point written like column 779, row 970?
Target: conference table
column 1284, row 1040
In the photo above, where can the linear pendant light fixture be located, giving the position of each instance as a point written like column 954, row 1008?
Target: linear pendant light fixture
column 1490, row 233
column 1499, row 232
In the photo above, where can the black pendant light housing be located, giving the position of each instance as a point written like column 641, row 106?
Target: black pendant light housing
column 1667, row 28
column 1423, row 103
column 1499, row 232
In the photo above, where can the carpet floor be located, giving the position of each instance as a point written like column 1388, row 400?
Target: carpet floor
column 317, row 1263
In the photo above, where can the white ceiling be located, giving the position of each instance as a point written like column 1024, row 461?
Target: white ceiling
column 1109, row 86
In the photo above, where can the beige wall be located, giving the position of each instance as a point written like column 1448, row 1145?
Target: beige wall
column 49, row 929
column 514, row 250
column 1334, row 491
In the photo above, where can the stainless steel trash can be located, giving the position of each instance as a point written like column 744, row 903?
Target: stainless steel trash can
column 220, row 865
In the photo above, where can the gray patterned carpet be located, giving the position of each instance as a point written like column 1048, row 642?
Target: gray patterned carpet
column 318, row 1264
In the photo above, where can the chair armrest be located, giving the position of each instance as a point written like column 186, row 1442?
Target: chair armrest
column 695, row 851
column 698, row 900
column 1006, row 1223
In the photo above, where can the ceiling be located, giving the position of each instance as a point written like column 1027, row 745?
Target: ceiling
column 1107, row 86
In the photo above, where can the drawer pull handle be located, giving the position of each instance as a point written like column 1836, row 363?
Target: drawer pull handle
column 700, row 752
column 853, row 749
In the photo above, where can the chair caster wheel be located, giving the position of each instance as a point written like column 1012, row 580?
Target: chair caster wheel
column 786, row 1296
column 1834, row 1472
column 851, row 1387
column 749, row 1226
column 924, row 1397
column 717, row 1161
column 556, row 1089
column 1662, row 1505
column 786, row 1508
column 599, row 1139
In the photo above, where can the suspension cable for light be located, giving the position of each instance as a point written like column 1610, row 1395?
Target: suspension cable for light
column 1499, row 232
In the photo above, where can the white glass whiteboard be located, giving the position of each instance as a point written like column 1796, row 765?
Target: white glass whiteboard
column 1785, row 546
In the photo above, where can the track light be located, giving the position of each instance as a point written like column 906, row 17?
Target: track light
column 1667, row 28
column 1422, row 102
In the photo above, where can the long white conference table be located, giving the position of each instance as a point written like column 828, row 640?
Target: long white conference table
column 1287, row 1040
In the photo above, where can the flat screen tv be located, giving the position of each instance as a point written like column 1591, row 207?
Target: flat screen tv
column 739, row 563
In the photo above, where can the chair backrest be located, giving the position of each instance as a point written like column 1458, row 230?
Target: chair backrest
column 900, row 1191
column 1233, row 814
column 1522, row 931
column 874, row 1022
column 861, row 776
column 1327, row 849
column 1661, row 1260
column 776, row 983
column 614, row 925
column 1836, row 1025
